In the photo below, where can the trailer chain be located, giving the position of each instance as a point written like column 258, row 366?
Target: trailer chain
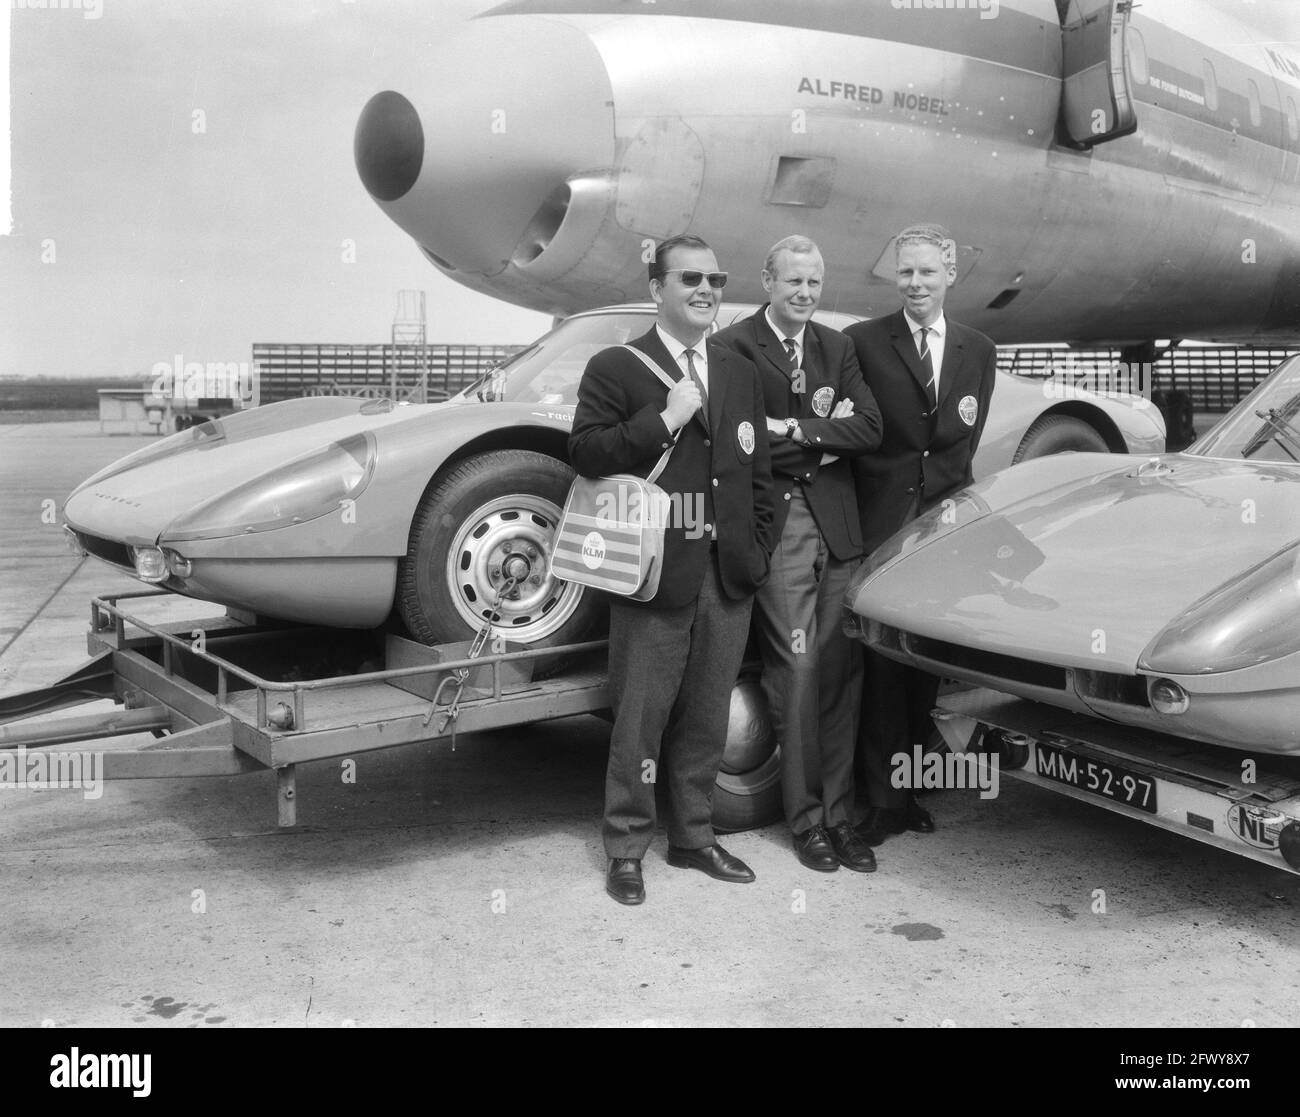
column 460, row 676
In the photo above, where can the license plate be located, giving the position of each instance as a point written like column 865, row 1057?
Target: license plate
column 1100, row 777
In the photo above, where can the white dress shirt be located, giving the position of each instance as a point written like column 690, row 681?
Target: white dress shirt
column 677, row 351
column 938, row 335
column 796, row 338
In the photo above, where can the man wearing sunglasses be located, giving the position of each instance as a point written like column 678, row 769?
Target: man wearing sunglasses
column 820, row 414
column 673, row 659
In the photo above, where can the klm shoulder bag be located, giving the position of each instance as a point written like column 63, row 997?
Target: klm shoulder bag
column 611, row 533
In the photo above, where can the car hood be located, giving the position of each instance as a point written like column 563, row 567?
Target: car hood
column 136, row 498
column 1088, row 572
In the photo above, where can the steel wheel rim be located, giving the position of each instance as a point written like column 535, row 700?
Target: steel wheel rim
column 517, row 529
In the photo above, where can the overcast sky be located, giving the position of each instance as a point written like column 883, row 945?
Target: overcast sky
column 166, row 241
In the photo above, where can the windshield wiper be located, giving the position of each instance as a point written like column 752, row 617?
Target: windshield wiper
column 1273, row 417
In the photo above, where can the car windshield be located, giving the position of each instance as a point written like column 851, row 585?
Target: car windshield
column 1265, row 426
column 548, row 371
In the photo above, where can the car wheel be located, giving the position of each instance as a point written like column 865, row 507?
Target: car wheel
column 490, row 516
column 747, row 793
column 1058, row 434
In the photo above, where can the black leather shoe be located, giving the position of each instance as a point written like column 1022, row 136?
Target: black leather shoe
column 852, row 851
column 883, row 821
column 814, row 850
column 623, row 881
column 916, row 817
column 870, row 829
column 714, row 860
column 879, row 824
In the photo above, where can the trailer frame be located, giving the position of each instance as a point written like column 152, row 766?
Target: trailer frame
column 243, row 722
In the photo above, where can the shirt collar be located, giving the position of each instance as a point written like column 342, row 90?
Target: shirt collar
column 797, row 338
column 676, row 348
column 939, row 325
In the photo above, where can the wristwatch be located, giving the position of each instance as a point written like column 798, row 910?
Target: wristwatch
column 791, row 425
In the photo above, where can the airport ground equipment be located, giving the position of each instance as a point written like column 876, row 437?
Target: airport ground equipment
column 1243, row 803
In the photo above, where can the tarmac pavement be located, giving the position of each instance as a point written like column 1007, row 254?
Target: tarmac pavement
column 465, row 887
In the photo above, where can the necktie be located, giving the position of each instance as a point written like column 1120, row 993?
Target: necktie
column 791, row 352
column 694, row 375
column 927, row 364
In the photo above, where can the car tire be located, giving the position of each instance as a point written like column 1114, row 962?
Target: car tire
column 747, row 793
column 748, row 800
column 484, row 510
column 1059, row 434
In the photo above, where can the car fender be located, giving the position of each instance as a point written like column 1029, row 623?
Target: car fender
column 409, row 457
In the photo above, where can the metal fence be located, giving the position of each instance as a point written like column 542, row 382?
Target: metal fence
column 1216, row 377
column 418, row 373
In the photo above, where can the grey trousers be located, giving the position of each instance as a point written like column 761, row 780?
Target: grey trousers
column 670, row 677
column 812, row 672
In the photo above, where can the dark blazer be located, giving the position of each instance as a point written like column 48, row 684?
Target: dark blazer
column 922, row 455
column 617, row 428
column 830, row 374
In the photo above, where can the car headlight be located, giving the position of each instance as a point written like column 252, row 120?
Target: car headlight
column 1167, row 697
column 311, row 486
column 150, row 564
column 1245, row 622
column 946, row 516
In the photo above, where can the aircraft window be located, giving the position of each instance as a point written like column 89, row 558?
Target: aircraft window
column 1292, row 119
column 802, row 182
column 1255, row 116
column 1211, row 86
column 1137, row 56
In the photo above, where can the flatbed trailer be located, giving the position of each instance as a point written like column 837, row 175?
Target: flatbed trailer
column 1244, row 803
column 195, row 685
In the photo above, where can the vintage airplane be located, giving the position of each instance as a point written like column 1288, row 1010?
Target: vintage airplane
column 1114, row 173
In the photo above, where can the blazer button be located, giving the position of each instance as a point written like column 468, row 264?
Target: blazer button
column 925, row 453
column 925, row 414
column 819, row 438
column 787, row 496
column 663, row 446
column 707, row 442
column 708, row 528
column 910, row 492
column 807, row 476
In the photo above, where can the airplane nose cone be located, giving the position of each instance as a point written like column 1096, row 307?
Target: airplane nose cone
column 388, row 146
column 475, row 159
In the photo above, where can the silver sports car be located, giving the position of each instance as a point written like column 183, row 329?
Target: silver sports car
column 1162, row 592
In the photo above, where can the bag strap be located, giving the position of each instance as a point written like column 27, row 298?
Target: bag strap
column 668, row 383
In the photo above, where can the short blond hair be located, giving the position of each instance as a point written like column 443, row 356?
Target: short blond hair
column 799, row 246
column 936, row 235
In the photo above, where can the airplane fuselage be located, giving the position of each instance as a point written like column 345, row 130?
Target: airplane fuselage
column 558, row 138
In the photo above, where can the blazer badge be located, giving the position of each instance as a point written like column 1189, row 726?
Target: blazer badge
column 745, row 436
column 968, row 409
